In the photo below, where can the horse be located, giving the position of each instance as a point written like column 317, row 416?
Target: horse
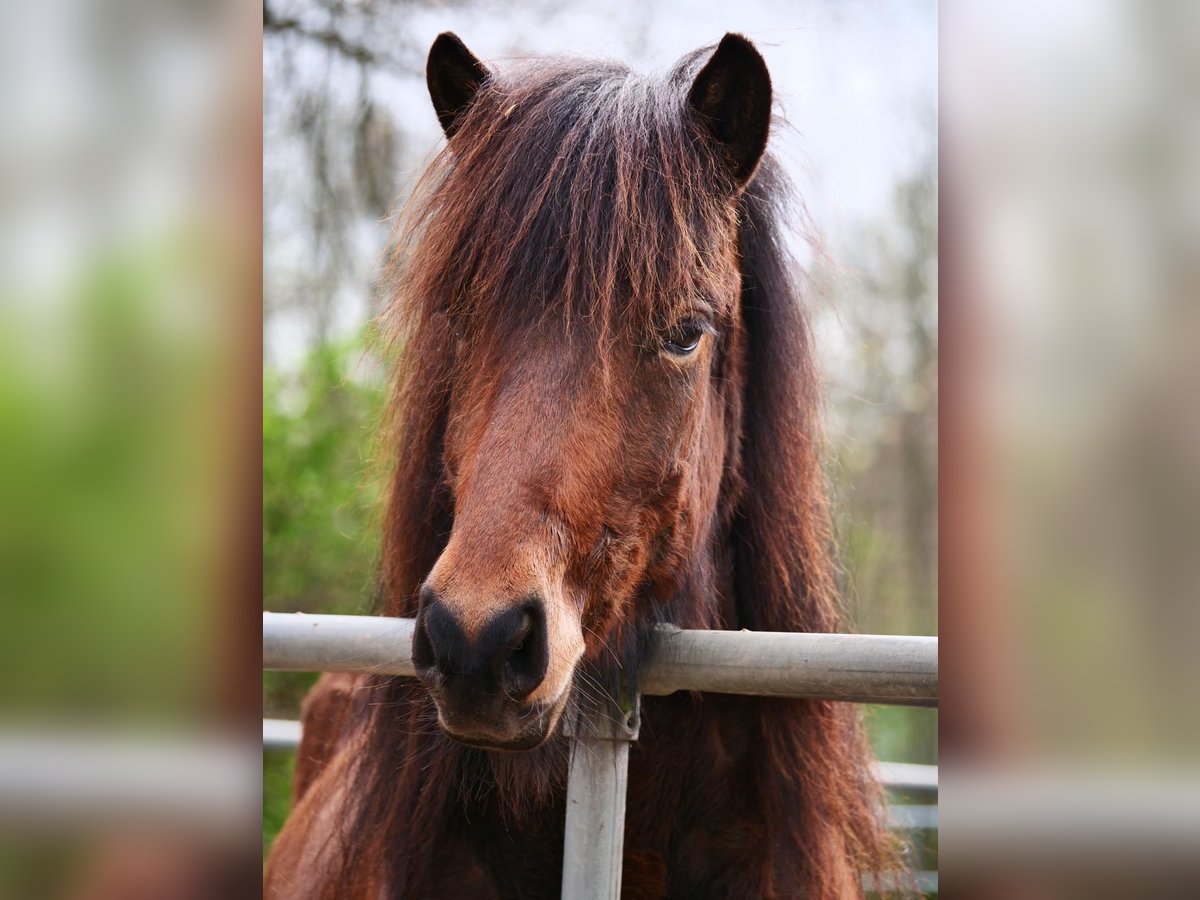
column 605, row 419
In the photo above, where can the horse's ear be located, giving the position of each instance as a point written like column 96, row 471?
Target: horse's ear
column 731, row 97
column 454, row 76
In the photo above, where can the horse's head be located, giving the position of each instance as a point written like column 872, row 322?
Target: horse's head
column 580, row 252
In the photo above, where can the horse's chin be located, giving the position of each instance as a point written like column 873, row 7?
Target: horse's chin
column 539, row 724
column 516, row 745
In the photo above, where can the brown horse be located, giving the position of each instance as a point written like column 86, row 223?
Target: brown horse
column 606, row 420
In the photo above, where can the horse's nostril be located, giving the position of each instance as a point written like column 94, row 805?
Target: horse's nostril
column 439, row 643
column 526, row 653
column 518, row 641
column 508, row 657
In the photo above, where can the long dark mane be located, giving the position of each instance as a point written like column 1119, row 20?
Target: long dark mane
column 581, row 190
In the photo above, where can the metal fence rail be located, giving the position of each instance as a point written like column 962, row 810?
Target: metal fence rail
column 862, row 668
column 854, row 668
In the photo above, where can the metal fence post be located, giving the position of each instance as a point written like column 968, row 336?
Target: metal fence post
column 594, row 838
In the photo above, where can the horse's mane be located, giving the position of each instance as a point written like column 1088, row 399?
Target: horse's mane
column 582, row 190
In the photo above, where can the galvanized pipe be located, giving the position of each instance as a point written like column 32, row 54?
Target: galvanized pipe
column 281, row 734
column 297, row 642
column 594, row 839
column 913, row 777
column 864, row 668
column 594, row 834
column 853, row 667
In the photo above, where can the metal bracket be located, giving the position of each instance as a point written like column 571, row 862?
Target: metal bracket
column 608, row 722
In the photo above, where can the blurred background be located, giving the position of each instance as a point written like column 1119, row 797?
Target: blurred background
column 129, row 448
column 1070, row 442
column 348, row 126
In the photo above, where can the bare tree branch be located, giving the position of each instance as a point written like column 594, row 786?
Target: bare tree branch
column 329, row 37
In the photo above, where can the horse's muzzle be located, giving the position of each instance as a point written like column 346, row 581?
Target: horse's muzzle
column 482, row 683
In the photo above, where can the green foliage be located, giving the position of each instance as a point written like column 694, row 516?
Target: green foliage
column 320, row 507
column 320, row 497
column 278, row 766
column 320, row 491
column 903, row 733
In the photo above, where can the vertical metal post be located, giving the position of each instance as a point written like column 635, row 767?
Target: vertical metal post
column 594, row 841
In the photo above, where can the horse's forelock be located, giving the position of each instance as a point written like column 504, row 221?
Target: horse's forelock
column 578, row 191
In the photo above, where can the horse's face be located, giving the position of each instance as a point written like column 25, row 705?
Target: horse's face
column 579, row 474
column 584, row 466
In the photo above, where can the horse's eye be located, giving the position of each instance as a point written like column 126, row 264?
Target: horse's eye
column 684, row 338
